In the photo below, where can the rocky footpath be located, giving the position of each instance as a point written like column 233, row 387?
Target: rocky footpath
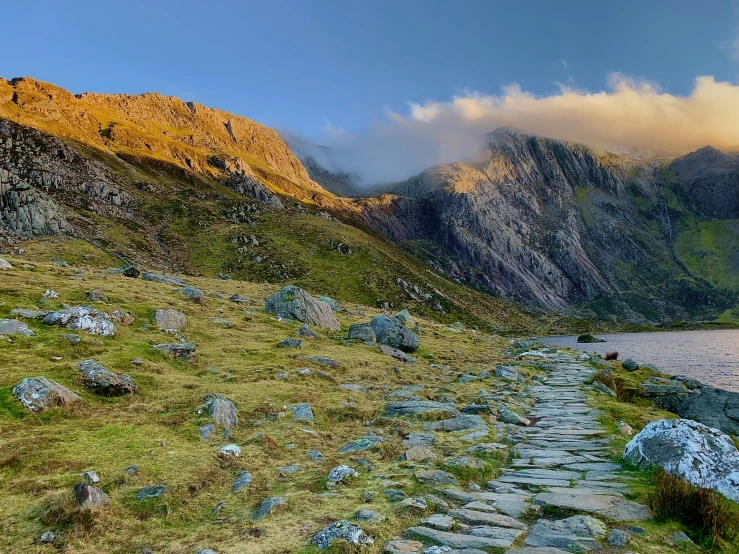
column 559, row 462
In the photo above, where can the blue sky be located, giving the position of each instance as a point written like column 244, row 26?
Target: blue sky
column 299, row 65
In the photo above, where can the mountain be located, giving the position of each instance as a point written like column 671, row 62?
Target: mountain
column 179, row 187
column 557, row 225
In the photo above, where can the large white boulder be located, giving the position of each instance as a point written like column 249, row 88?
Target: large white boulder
column 702, row 455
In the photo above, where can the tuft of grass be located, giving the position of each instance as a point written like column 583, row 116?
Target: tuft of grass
column 709, row 517
column 611, row 356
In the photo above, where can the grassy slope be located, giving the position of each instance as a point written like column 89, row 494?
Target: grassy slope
column 158, row 428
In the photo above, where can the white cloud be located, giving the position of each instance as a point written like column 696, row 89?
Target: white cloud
column 631, row 113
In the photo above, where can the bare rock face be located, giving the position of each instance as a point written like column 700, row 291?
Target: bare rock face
column 100, row 380
column 82, row 318
column 39, row 393
column 170, row 319
column 294, row 303
column 702, row 455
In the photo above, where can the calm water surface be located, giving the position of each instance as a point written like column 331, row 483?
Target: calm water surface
column 712, row 357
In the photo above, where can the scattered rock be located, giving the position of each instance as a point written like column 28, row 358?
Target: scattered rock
column 29, row 314
column 178, row 350
column 324, row 361
column 82, row 318
column 629, row 365
column 91, row 477
column 369, row 515
column 196, row 295
column 4, row 264
column 506, row 372
column 418, row 454
column 436, row 476
column 206, row 431
column 364, row 443
column 96, row 295
column 399, row 546
column 230, row 450
column 89, row 497
column 509, row 416
column 391, row 331
column 39, row 393
column 14, row 327
column 413, row 407
column 290, row 343
column 99, row 379
column 166, row 279
column 154, row 491
column 222, row 410
column 404, row 316
column 170, row 319
column 576, row 533
column 339, row 473
column 243, row 479
column 269, row 506
column 303, row 412
column 617, row 537
column 50, row 294
column 342, row 530
column 625, row 429
column 316, row 456
column 47, row 537
column 294, row 303
column 702, row 455
column 71, row 339
column 306, row 332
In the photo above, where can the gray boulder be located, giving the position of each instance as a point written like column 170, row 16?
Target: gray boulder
column 4, row 264
column 302, row 412
column 96, row 295
column 341, row 530
column 154, row 491
column 242, row 480
column 405, row 316
column 83, row 318
column 39, row 393
column 89, row 497
column 390, row 330
column 14, row 327
column 29, row 314
column 307, row 333
column 701, row 455
column 170, row 319
column 339, row 474
column 362, row 331
column 506, row 372
column 100, row 380
column 222, row 410
column 196, row 295
column 294, row 303
column 290, row 343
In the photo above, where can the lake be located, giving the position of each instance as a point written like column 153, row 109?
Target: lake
column 711, row 357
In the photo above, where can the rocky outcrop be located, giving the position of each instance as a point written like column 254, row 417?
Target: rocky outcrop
column 39, row 394
column 82, row 318
column 294, row 303
column 704, row 456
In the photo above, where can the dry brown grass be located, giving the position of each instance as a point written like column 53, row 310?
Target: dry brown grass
column 610, row 356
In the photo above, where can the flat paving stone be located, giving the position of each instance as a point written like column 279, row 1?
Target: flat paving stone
column 485, row 518
column 613, row 507
column 456, row 540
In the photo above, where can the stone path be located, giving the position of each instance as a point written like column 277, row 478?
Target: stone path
column 560, row 461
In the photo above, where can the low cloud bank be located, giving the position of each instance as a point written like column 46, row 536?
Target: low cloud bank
column 630, row 115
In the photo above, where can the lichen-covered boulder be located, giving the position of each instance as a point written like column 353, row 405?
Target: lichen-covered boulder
column 339, row 474
column 196, row 295
column 342, row 530
column 39, row 393
column 702, row 455
column 83, row 318
column 294, row 303
column 391, row 331
column 14, row 327
column 222, row 410
column 170, row 319
column 100, row 380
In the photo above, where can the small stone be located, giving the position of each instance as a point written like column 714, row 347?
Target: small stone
column 399, row 546
column 439, row 521
column 196, row 295
column 96, row 295
column 680, row 537
column 50, row 294
column 178, row 350
column 316, row 456
column 436, row 476
column 302, row 412
column 206, row 431
column 5, row 265
column 307, row 333
column 509, row 416
column 506, row 372
column 418, row 454
column 47, row 537
column 131, row 470
column 625, row 429
column 416, row 503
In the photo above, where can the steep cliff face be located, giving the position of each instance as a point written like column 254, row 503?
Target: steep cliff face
column 544, row 223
